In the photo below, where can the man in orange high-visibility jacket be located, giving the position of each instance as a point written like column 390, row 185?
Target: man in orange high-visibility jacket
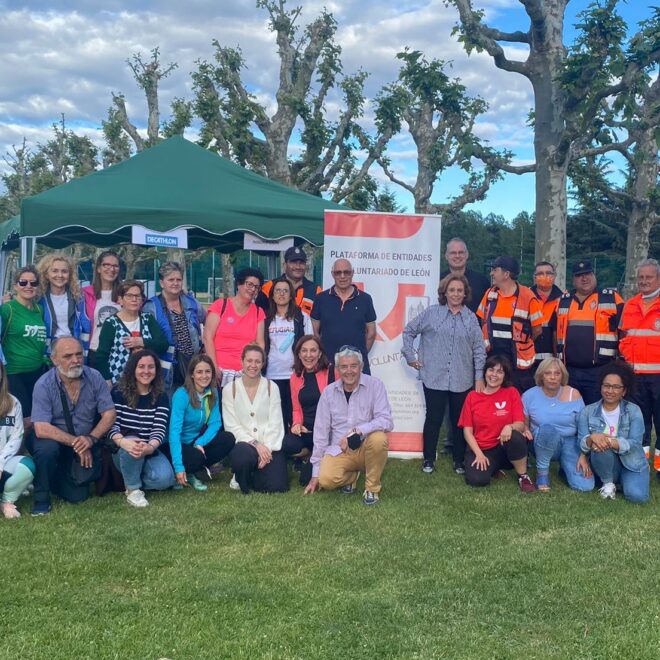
column 295, row 262
column 511, row 318
column 587, row 322
column 640, row 347
column 548, row 293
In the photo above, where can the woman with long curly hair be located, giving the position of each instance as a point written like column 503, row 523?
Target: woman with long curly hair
column 62, row 304
column 139, row 430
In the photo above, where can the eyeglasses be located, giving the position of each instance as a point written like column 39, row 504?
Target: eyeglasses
column 280, row 292
column 611, row 386
column 132, row 296
column 342, row 273
column 33, row 284
column 110, row 266
column 251, row 285
column 348, row 347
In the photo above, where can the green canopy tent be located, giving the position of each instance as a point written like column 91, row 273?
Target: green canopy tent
column 175, row 184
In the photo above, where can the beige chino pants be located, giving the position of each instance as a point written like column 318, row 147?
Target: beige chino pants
column 370, row 458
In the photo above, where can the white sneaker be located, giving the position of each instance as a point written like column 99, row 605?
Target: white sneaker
column 608, row 491
column 136, row 498
column 233, row 484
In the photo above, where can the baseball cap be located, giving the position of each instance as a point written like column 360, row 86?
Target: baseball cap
column 295, row 254
column 507, row 263
column 583, row 266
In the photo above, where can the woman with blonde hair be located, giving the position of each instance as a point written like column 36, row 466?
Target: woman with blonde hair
column 551, row 412
column 62, row 304
column 16, row 472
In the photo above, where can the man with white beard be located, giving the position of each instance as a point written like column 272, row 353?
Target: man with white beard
column 72, row 410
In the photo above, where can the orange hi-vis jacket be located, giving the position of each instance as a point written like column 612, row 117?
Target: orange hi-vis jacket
column 304, row 297
column 602, row 314
column 544, row 343
column 515, row 326
column 640, row 345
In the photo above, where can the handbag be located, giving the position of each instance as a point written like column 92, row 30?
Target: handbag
column 79, row 475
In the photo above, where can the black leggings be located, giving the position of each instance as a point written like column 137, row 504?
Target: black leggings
column 285, row 401
column 272, row 478
column 214, row 451
column 436, row 402
column 500, row 458
column 22, row 385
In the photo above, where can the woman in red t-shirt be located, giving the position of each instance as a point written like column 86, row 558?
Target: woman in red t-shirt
column 232, row 323
column 493, row 422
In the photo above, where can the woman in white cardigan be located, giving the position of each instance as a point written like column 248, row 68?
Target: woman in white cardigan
column 251, row 411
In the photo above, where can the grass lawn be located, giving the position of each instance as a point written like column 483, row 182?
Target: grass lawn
column 436, row 570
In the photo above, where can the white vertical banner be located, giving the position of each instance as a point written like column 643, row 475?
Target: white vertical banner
column 396, row 260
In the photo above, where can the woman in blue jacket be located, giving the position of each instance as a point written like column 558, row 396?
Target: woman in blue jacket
column 180, row 317
column 62, row 303
column 195, row 438
column 611, row 431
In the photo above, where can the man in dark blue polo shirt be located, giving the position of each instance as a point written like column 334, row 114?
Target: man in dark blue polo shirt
column 343, row 315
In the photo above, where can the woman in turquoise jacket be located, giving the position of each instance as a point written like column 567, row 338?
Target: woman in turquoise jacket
column 195, row 439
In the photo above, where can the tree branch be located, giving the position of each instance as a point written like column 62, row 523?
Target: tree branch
column 120, row 104
column 621, row 147
column 385, row 165
column 482, row 37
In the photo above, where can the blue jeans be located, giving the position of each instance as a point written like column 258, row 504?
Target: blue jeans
column 150, row 473
column 607, row 465
column 549, row 445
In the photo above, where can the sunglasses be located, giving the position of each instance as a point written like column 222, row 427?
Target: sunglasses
column 28, row 283
column 342, row 273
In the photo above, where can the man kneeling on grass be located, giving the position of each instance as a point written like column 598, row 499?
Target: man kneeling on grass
column 72, row 410
column 352, row 418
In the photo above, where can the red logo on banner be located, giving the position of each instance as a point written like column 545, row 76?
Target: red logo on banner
column 392, row 325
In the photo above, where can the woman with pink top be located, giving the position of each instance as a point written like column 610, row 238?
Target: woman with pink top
column 102, row 297
column 232, row 323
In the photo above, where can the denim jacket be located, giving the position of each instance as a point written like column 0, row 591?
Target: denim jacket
column 629, row 435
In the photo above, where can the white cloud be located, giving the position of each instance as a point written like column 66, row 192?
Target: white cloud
column 68, row 56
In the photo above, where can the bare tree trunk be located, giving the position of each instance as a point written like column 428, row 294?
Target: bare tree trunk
column 643, row 214
column 228, row 286
column 545, row 63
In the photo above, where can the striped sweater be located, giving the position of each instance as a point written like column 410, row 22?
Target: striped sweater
column 147, row 421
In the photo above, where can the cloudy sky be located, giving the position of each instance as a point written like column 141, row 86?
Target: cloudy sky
column 68, row 57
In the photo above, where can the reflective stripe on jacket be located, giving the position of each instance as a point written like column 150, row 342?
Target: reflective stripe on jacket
column 603, row 318
column 640, row 345
column 518, row 328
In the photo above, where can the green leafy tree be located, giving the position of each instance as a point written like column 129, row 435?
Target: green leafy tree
column 440, row 117
column 628, row 201
column 238, row 126
column 568, row 94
